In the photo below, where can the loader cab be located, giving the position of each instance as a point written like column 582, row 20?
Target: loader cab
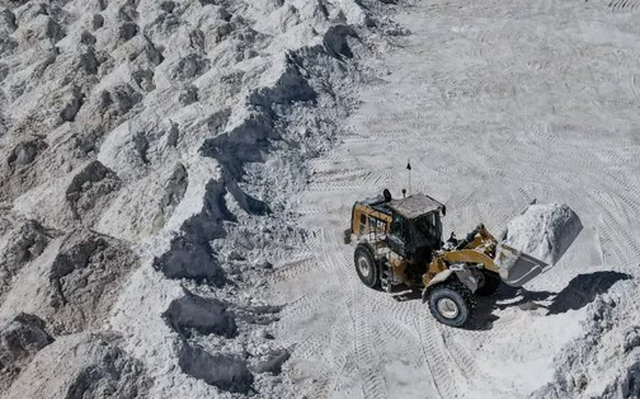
column 411, row 226
column 415, row 238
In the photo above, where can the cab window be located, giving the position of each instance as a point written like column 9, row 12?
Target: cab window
column 398, row 227
column 363, row 223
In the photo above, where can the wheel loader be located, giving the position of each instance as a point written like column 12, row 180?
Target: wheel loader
column 399, row 242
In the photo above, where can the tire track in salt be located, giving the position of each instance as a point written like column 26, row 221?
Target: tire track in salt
column 622, row 6
column 364, row 340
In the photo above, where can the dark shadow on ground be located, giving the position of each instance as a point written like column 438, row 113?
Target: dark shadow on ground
column 407, row 295
column 583, row 290
column 580, row 291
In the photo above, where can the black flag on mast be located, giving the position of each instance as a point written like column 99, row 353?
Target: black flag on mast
column 408, row 177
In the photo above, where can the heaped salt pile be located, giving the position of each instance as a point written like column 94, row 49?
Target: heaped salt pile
column 544, row 231
column 94, row 367
column 150, row 146
column 604, row 362
column 21, row 337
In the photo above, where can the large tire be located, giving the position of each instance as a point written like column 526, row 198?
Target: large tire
column 491, row 283
column 366, row 266
column 452, row 303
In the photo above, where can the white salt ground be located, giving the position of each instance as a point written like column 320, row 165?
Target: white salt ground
column 495, row 104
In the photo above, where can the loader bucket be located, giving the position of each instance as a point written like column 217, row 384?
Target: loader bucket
column 545, row 231
column 517, row 268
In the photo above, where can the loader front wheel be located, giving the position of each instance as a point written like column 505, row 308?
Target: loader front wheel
column 451, row 303
column 366, row 266
column 491, row 283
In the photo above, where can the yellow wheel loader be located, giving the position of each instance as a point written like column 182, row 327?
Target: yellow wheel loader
column 399, row 242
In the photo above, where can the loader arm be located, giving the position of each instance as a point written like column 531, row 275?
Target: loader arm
column 480, row 248
column 465, row 256
column 471, row 256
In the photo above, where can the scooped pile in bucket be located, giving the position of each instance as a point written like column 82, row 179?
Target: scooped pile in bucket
column 536, row 240
column 544, row 231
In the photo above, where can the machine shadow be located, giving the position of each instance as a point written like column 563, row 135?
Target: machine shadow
column 581, row 290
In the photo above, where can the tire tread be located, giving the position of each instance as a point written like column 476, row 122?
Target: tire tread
column 469, row 298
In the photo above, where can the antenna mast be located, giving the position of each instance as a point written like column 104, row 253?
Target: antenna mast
column 409, row 175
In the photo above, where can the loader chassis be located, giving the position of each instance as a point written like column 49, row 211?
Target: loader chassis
column 400, row 242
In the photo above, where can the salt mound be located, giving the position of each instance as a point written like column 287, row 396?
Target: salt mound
column 84, row 278
column 604, row 362
column 544, row 231
column 23, row 244
column 84, row 366
column 21, row 337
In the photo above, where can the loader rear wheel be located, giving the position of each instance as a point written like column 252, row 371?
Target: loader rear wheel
column 366, row 266
column 491, row 283
column 452, row 303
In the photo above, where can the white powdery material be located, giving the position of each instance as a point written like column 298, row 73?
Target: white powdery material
column 148, row 114
column 544, row 231
column 604, row 362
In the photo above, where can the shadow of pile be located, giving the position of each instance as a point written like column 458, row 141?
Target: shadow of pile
column 581, row 290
